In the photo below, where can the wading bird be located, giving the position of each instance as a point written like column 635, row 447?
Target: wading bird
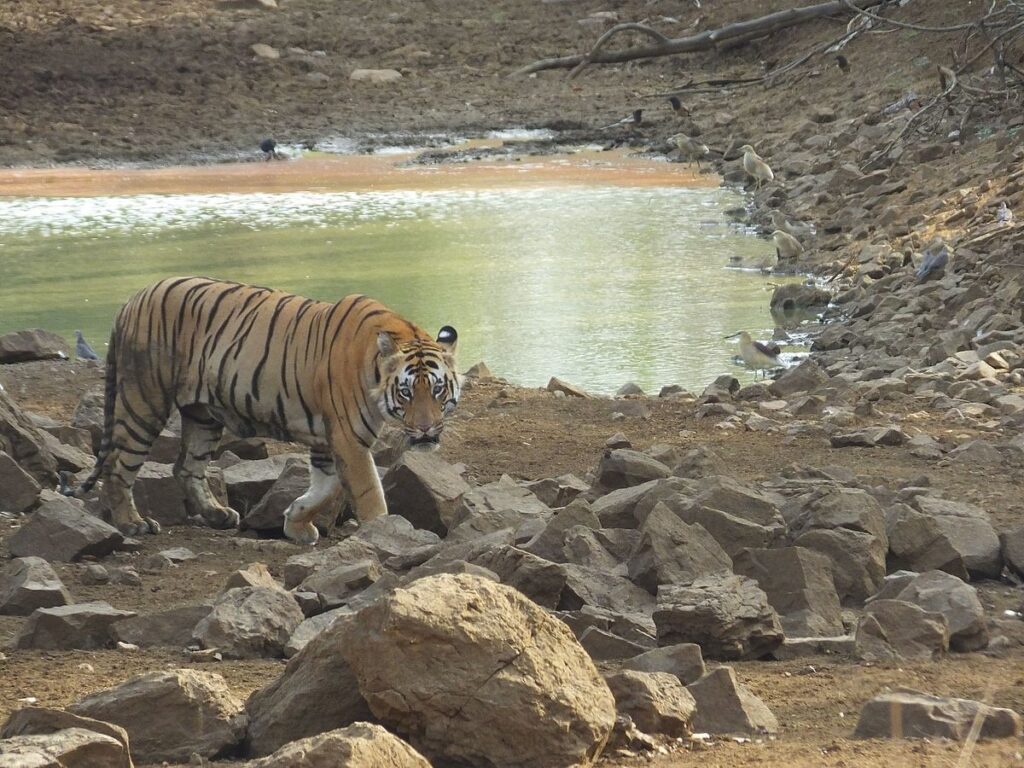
column 756, row 355
column 787, row 247
column 795, row 228
column 82, row 349
column 690, row 148
column 632, row 120
column 936, row 256
column 756, row 167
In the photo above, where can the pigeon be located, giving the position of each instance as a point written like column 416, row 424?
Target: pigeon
column 82, row 349
column 635, row 119
column 936, row 256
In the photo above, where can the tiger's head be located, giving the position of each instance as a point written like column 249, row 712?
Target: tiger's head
column 419, row 385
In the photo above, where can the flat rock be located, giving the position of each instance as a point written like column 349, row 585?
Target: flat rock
column 336, row 586
column 726, row 707
column 27, row 583
column 252, row 575
column 940, row 592
column 67, row 747
column 61, row 530
column 684, row 660
column 34, row 344
column 425, row 489
column 894, row 630
column 622, row 468
column 802, row 647
column 558, row 385
column 869, row 438
column 656, row 701
column 169, row 629
column 375, row 75
column 249, row 622
column 297, row 568
column 81, row 626
column 41, row 721
column 393, row 535
column 360, row 745
column 728, row 616
column 170, row 715
column 912, row 715
column 18, row 489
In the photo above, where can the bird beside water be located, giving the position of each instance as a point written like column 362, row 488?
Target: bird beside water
column 936, row 257
column 82, row 349
column 690, row 148
column 270, row 150
column 630, row 120
column 756, row 167
column 787, row 247
column 757, row 355
column 797, row 229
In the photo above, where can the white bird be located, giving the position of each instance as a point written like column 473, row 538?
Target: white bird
column 1004, row 216
column 689, row 147
column 757, row 355
column 82, row 349
column 787, row 247
column 756, row 167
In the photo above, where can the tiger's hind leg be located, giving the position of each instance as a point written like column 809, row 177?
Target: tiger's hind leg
column 200, row 434
column 324, row 488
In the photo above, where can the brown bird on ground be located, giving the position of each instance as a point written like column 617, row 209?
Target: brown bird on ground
column 677, row 106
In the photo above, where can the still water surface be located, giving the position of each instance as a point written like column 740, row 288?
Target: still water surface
column 596, row 282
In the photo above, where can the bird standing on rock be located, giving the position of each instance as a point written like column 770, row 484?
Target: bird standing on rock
column 270, row 151
column 936, row 257
column 756, row 167
column 82, row 349
column 689, row 147
column 787, row 247
column 677, row 106
column 756, row 355
column 632, row 120
column 796, row 229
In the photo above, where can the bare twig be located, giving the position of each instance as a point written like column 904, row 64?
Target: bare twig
column 919, row 27
column 629, row 27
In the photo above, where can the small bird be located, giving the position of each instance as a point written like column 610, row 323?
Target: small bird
column 844, row 63
column 677, row 106
column 756, row 355
column 270, row 150
column 796, row 229
column 756, row 167
column 787, row 247
column 1004, row 215
column 631, row 120
column 934, row 262
column 82, row 349
column 689, row 147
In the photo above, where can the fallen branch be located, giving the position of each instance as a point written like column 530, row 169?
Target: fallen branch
column 602, row 41
column 703, row 41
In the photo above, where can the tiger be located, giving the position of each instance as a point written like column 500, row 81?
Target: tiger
column 265, row 363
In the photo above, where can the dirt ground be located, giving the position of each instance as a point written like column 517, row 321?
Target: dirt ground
column 175, row 81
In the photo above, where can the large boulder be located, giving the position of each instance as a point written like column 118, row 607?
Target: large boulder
column 170, row 715
column 656, row 701
column 728, row 616
column 425, row 489
column 893, row 630
column 27, row 583
column 249, row 481
column 799, row 586
column 18, row 489
column 673, row 552
column 450, row 657
column 912, row 715
column 623, row 468
column 941, row 592
column 170, row 629
column 249, row 622
column 42, row 721
column 33, row 344
column 945, row 535
column 23, row 442
column 392, row 536
column 67, row 747
column 724, row 706
column 67, row 627
column 684, row 660
column 61, row 530
column 158, row 494
column 360, row 745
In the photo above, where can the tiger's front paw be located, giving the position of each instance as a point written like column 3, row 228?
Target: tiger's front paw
column 141, row 527
column 301, row 533
column 221, row 518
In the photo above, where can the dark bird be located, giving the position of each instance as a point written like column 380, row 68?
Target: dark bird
column 843, row 62
column 635, row 119
column 269, row 147
column 936, row 257
column 82, row 349
column 677, row 106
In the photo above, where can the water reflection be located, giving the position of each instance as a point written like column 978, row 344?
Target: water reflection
column 598, row 285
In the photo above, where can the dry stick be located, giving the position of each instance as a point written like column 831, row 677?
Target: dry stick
column 703, row 41
column 609, row 35
column 913, row 119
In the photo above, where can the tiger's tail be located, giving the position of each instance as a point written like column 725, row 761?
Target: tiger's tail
column 106, row 442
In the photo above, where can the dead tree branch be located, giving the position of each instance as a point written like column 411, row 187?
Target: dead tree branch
column 602, row 41
column 703, row 41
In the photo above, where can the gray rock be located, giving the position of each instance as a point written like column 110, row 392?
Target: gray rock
column 726, row 707
column 684, row 660
column 268, row 513
column 42, row 721
column 18, row 489
column 360, row 745
column 27, row 583
column 66, row 747
column 734, row 534
column 894, row 630
column 170, row 629
column 22, row 441
column 158, row 493
column 858, row 560
column 88, row 416
column 737, row 499
column 869, row 438
column 424, row 489
column 311, row 627
column 940, row 592
column 808, row 376
column 170, row 715
column 34, row 344
column 673, row 552
column 728, row 616
column 1012, row 542
column 297, row 568
column 616, row 509
column 337, row 585
column 93, row 574
column 70, row 627
column 912, row 715
column 656, row 701
column 393, row 535
column 558, row 491
column 802, row 647
column 249, row 622
column 603, row 645
column 946, row 535
column 68, row 457
column 249, row 481
column 799, row 586
column 252, row 575
column 624, row 468
column 550, row 542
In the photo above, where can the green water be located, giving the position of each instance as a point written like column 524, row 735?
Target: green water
column 597, row 285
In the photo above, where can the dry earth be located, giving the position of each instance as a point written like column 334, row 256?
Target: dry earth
column 165, row 81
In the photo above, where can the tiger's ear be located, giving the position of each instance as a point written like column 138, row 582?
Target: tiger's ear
column 447, row 338
column 386, row 344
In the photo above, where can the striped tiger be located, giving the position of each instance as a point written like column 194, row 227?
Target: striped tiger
column 265, row 363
